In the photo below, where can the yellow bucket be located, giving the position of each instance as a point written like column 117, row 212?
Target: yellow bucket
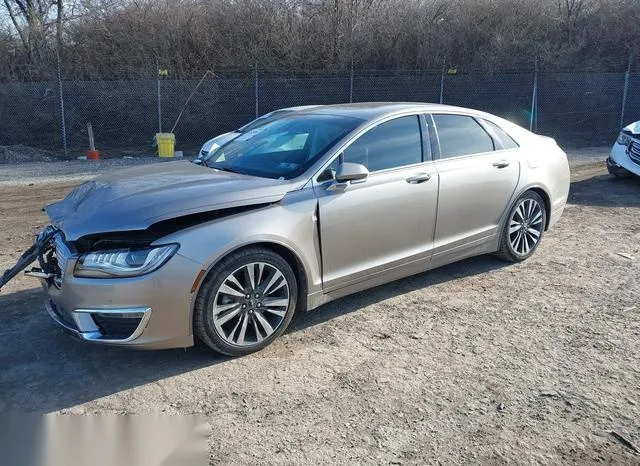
column 166, row 144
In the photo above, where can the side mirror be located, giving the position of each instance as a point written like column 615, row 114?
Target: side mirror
column 351, row 172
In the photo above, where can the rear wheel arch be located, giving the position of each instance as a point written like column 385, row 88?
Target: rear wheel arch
column 523, row 250
column 547, row 202
column 540, row 191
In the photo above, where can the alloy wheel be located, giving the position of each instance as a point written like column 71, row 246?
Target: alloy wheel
column 525, row 226
column 251, row 304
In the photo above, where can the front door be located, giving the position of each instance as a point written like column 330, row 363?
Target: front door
column 370, row 227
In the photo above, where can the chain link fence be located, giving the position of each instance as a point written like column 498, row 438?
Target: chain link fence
column 577, row 109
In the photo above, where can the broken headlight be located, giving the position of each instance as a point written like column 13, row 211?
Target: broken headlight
column 123, row 262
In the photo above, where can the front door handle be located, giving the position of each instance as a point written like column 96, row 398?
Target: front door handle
column 501, row 163
column 419, row 178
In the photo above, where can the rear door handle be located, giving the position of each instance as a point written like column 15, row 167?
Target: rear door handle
column 501, row 163
column 419, row 178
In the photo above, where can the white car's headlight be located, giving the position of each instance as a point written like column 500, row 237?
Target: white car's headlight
column 124, row 262
column 624, row 138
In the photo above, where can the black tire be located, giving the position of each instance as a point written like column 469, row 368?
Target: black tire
column 507, row 251
column 203, row 320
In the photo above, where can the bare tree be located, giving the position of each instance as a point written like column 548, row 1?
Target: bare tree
column 123, row 38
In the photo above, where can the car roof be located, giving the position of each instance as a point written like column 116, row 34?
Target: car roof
column 373, row 110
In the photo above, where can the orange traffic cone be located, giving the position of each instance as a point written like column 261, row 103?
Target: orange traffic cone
column 92, row 154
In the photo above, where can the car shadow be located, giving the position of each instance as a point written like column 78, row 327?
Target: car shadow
column 357, row 301
column 606, row 191
column 43, row 369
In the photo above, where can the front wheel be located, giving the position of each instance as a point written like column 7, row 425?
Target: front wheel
column 246, row 302
column 524, row 228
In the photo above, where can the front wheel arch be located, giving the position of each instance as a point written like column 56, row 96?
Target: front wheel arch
column 286, row 253
column 204, row 325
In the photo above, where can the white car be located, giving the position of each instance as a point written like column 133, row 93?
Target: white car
column 624, row 160
column 212, row 145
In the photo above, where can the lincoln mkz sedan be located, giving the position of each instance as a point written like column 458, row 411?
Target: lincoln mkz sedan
column 288, row 216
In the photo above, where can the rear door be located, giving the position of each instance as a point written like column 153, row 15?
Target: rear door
column 478, row 176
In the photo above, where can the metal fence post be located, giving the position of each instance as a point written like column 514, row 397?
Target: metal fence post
column 159, row 97
column 159, row 107
column 351, row 84
column 533, row 119
column 63, row 125
column 256, row 88
column 444, row 61
column 625, row 90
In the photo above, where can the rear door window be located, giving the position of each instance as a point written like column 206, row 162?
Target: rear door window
column 460, row 135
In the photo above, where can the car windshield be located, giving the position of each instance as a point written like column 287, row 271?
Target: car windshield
column 283, row 148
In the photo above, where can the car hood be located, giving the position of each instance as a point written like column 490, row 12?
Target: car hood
column 136, row 198
column 633, row 128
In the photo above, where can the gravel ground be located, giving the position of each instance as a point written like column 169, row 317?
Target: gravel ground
column 475, row 362
column 12, row 174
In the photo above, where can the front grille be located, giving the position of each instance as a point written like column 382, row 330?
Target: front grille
column 115, row 326
column 634, row 152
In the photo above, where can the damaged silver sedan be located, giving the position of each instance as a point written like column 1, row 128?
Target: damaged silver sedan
column 288, row 216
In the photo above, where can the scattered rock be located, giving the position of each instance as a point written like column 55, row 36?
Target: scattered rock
column 549, row 393
column 625, row 255
column 501, row 407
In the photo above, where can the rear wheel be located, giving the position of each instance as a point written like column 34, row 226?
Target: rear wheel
column 247, row 301
column 524, row 228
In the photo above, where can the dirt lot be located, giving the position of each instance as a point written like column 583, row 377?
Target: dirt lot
column 476, row 362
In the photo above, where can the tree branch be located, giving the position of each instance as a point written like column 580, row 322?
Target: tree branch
column 14, row 21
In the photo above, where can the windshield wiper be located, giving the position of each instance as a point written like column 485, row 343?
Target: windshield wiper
column 225, row 169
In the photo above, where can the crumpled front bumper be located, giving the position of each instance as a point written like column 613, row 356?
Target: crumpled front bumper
column 619, row 160
column 148, row 312
column 37, row 251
